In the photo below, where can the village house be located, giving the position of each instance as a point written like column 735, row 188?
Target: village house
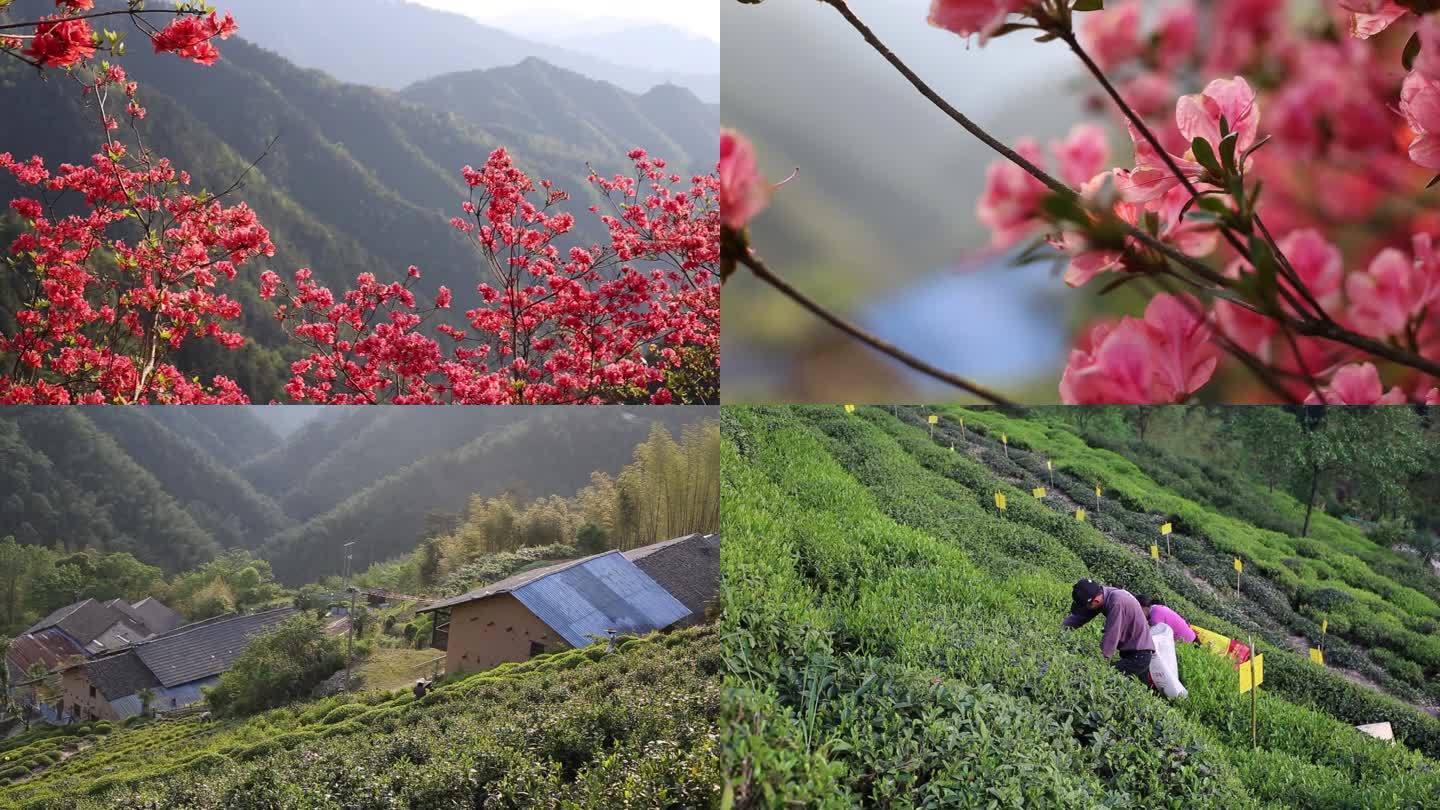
column 553, row 608
column 688, row 567
column 174, row 667
column 83, row 630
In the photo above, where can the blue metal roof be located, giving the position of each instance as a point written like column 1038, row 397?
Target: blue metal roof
column 602, row 592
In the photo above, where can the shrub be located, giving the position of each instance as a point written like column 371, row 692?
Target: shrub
column 278, row 666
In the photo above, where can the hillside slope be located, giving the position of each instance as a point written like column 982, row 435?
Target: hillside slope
column 552, row 453
column 903, row 645
column 634, row 728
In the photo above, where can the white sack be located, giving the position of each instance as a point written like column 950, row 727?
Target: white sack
column 1164, row 669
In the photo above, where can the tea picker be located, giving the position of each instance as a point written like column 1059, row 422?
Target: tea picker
column 1127, row 630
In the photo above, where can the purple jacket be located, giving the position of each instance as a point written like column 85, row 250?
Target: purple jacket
column 1126, row 627
column 1159, row 614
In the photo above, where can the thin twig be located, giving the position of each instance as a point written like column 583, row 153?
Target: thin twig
column 762, row 272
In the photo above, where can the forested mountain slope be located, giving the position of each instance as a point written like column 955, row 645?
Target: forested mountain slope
column 153, row 481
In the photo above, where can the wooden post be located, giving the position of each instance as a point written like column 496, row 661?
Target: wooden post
column 1254, row 699
column 1051, row 467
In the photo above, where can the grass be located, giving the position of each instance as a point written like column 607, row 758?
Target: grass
column 397, row 668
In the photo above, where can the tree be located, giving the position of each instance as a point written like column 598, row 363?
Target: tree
column 430, row 561
column 280, row 665
column 1376, row 448
column 147, row 700
column 591, row 539
column 1269, row 440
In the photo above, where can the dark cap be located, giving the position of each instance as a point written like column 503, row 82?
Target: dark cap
column 1082, row 593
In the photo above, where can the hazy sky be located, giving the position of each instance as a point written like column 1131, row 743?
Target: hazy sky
column 699, row 16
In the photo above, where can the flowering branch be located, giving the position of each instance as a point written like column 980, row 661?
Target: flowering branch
column 1149, row 228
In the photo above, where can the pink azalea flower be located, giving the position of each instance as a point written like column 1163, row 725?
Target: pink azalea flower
column 1394, row 289
column 1164, row 357
column 1189, row 237
column 1356, row 384
column 1010, row 203
column 1420, row 104
column 743, row 190
column 1112, row 35
column 1370, row 17
column 1083, row 153
column 1196, row 116
column 1427, row 62
column 1176, row 35
column 966, row 17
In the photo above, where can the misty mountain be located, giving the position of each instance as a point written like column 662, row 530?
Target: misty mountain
column 535, row 99
column 636, row 45
column 351, row 178
column 134, row 479
column 391, row 44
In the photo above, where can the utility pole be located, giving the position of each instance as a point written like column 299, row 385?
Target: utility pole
column 350, row 640
column 350, row 635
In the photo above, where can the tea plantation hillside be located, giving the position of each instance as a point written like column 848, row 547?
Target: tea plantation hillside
column 1382, row 608
column 893, row 640
column 581, row 729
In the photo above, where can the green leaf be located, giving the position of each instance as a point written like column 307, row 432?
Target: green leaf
column 1205, row 156
column 1412, row 50
column 1088, row 5
column 1227, row 153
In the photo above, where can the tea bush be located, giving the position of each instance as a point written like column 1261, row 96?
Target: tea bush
column 892, row 640
column 626, row 729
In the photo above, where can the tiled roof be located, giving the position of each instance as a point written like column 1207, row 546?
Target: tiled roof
column 120, row 634
column 205, row 648
column 158, row 618
column 50, row 647
column 119, row 675
column 688, row 567
column 83, row 621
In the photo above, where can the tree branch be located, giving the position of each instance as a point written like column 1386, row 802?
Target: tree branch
column 762, row 272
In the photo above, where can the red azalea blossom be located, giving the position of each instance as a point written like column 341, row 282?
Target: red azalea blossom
column 60, row 42
column 548, row 325
column 110, row 305
column 190, row 37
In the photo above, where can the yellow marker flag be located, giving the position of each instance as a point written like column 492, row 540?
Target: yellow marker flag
column 1154, row 551
column 1038, row 492
column 1097, row 491
column 849, row 409
column 933, row 419
column 1212, row 641
column 1048, row 466
column 1324, row 625
column 1239, row 566
column 1005, row 440
column 1080, row 515
column 1252, row 673
column 1317, row 656
column 952, row 448
column 1000, row 501
column 1165, row 528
